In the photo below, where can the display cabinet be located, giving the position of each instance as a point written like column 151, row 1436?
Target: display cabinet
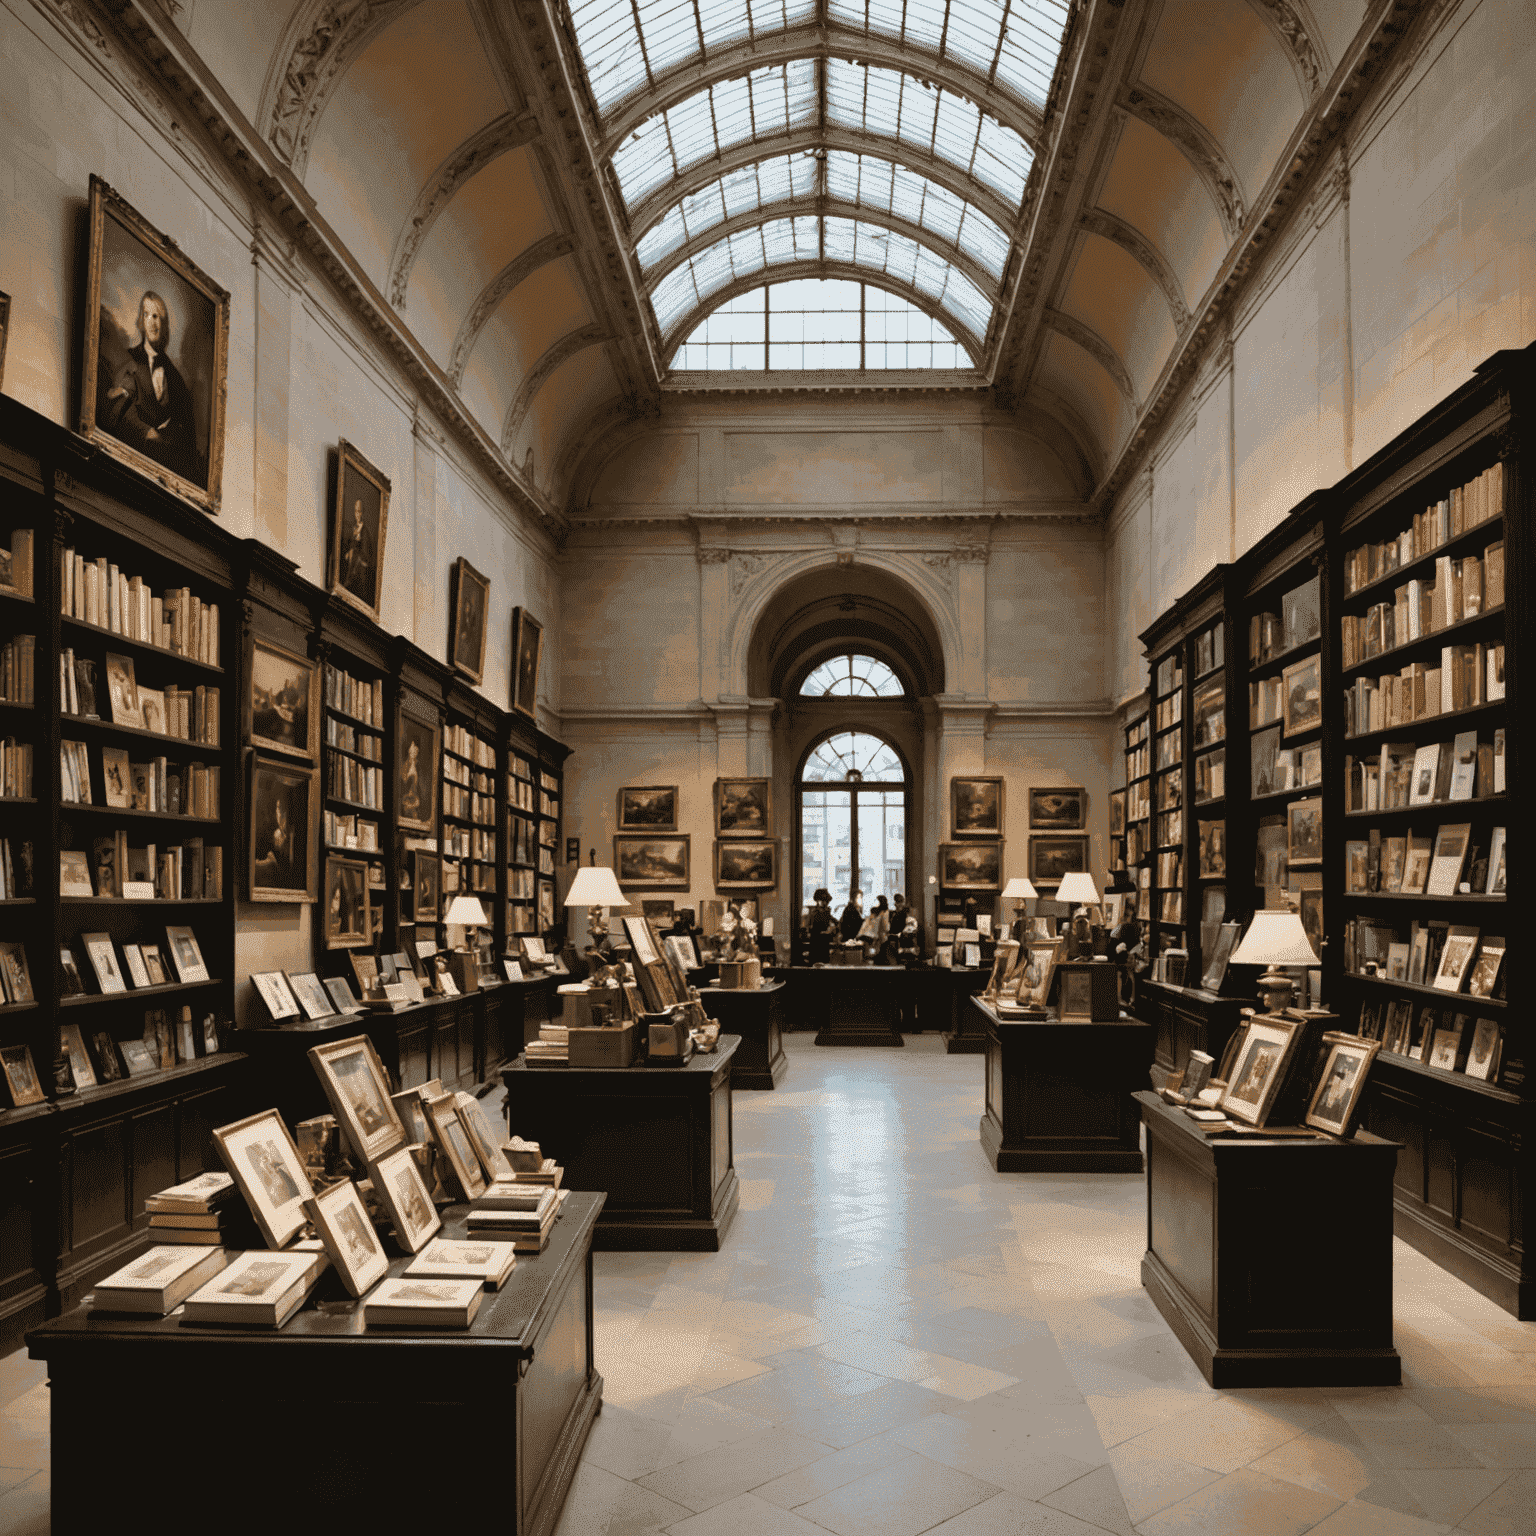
column 472, row 854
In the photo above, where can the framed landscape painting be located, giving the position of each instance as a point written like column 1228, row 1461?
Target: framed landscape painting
column 1052, row 857
column 747, row 866
column 976, row 807
column 1061, row 810
column 648, row 808
column 971, row 866
column 743, row 808
column 651, row 863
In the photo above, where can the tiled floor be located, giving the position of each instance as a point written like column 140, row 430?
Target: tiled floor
column 898, row 1340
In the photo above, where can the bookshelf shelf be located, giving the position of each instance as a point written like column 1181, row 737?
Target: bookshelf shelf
column 177, row 744
column 170, row 989
column 1464, row 1001
column 114, row 641
column 1430, row 727
column 1429, row 808
column 115, row 812
column 1458, row 1080
column 1427, row 645
column 1474, row 538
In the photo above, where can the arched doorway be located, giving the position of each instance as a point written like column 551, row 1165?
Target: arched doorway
column 852, row 811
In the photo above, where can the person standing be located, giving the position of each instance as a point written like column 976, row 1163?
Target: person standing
column 853, row 916
column 819, row 927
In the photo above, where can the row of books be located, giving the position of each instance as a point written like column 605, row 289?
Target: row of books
column 520, row 766
column 147, row 964
column 351, row 832
column 549, row 782
column 1170, row 828
column 192, row 789
column 1138, row 801
column 1468, row 675
column 1437, row 1037
column 1169, row 865
column 1170, row 675
column 17, row 660
column 1447, row 861
column 462, row 773
column 1211, row 776
column 520, row 884
column 1462, row 589
column 339, row 734
column 187, row 871
column 1169, row 712
column 468, row 805
column 351, row 780
column 15, row 769
column 355, row 696
column 97, row 592
column 16, row 563
column 1170, row 750
column 546, row 861
column 461, row 740
column 1299, row 620
column 1466, row 507
column 188, row 714
column 521, row 794
column 1469, row 767
column 469, row 843
column 1449, row 957
column 15, row 868
column 519, row 840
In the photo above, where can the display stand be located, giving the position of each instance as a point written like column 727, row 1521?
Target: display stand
column 657, row 1140
column 519, row 1387
column 967, row 1033
column 1186, row 1019
column 758, row 1018
column 1059, row 1095
column 1271, row 1259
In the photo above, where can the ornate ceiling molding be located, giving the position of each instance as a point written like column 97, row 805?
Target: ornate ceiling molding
column 1301, row 38
column 522, row 266
column 1097, row 348
column 561, row 352
column 1136, row 245
column 1198, row 146
column 490, row 143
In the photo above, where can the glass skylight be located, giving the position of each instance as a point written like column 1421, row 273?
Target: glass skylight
column 850, row 754
column 852, row 677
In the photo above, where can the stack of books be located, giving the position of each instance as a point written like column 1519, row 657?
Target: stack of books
column 414, row 1303
column 552, row 1046
column 260, row 1288
column 157, row 1282
column 511, row 1209
column 201, row 1211
column 484, row 1260
column 548, row 1173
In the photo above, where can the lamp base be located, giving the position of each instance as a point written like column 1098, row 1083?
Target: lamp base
column 1276, row 990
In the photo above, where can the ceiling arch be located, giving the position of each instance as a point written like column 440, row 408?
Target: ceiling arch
column 533, row 381
column 521, row 267
column 1097, row 348
column 1198, row 145
column 1096, row 221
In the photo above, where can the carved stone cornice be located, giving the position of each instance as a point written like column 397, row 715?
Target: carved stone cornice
column 554, row 357
column 710, row 555
column 1301, row 39
column 1097, row 348
column 1198, row 146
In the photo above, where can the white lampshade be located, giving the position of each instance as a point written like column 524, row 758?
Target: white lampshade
column 1019, row 889
column 1078, row 888
column 1274, row 938
column 595, row 886
column 465, row 912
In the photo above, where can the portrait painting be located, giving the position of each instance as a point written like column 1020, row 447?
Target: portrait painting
column 282, row 831
column 971, row 866
column 1302, row 696
column 283, row 715
column 1343, row 1078
column 527, row 651
column 353, row 1078
column 471, row 601
column 342, row 1225
column 263, row 1161
column 1260, row 1068
column 1304, row 831
column 976, row 807
column 743, row 808
column 1052, row 857
column 1213, row 848
column 747, row 866
column 359, row 522
column 156, row 351
column 426, row 886
column 1062, row 810
column 651, row 863
column 416, row 771
column 648, row 808
column 346, row 903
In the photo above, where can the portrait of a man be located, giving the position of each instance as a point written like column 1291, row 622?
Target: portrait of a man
column 471, row 599
column 149, row 405
column 358, row 525
column 527, row 648
column 281, row 860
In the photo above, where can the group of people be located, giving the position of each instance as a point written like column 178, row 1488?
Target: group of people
column 892, row 929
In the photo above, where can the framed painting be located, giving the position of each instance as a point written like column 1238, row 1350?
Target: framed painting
column 359, row 522
column 398, row 1183
column 651, row 863
column 971, row 866
column 346, row 903
column 262, row 1159
column 426, row 886
column 743, row 808
column 342, row 1225
column 353, row 1078
column 471, row 602
column 281, row 711
column 976, row 807
column 1052, row 857
column 417, row 765
column 152, row 388
column 1057, row 810
column 1302, row 696
column 1338, row 1091
column 747, row 866
column 1260, row 1067
column 647, row 808
column 527, row 653
column 283, row 822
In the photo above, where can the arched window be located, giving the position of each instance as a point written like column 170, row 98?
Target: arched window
column 852, row 790
column 852, row 677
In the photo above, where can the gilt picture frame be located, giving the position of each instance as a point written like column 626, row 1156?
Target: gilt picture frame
column 974, row 866
column 359, row 525
column 263, row 1161
column 527, row 655
column 342, row 1224
column 1058, row 810
column 647, row 808
column 746, row 865
column 418, row 763
column 358, row 1089
column 976, row 806
column 652, row 863
column 470, row 607
column 284, row 802
column 282, row 711
column 398, row 1183
column 743, row 808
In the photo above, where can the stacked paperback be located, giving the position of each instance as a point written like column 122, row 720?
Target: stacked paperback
column 515, row 1210
column 157, row 1282
column 484, row 1260
column 201, row 1211
column 552, row 1045
column 415, row 1303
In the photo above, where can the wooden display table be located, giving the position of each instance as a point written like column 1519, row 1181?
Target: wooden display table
column 966, row 1033
column 656, row 1140
column 852, row 1004
column 1058, row 1096
column 758, row 1018
column 513, row 1396
column 1271, row 1259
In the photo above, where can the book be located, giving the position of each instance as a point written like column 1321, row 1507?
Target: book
column 1455, row 958
column 1485, row 969
column 1445, row 1048
column 259, row 1287
column 1484, row 1052
column 1450, row 855
column 157, row 1282
column 1463, row 766
column 419, row 1303
column 445, row 1259
column 532, row 1202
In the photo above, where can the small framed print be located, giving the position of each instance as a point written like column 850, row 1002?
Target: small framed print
column 272, row 988
column 341, row 995
column 123, row 692
column 1304, row 831
column 1051, row 858
column 417, row 765
column 1338, row 1093
column 1260, row 1068
column 282, row 711
column 398, row 1183
column 354, row 1081
column 971, row 866
column 133, row 957
column 426, row 886
column 471, row 602
column 359, row 522
column 154, row 965
column 1302, row 695
column 1117, row 813
column 311, row 995
column 21, row 1080
column 483, row 1138
column 82, row 1073
column 261, row 1157
column 102, row 953
column 747, row 866
column 283, row 822
column 651, row 863
column 185, row 955
column 454, row 1143
column 527, row 652
column 647, row 808
column 1057, row 810
column 342, row 1224
column 346, row 903
column 743, row 808
column 976, row 807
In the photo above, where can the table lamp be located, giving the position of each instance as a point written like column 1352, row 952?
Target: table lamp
column 464, row 912
column 1078, row 890
column 595, row 887
column 1018, row 891
column 1275, row 938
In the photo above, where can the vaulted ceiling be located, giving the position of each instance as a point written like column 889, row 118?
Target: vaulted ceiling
column 540, row 199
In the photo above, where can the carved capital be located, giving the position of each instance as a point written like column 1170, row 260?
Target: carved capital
column 743, row 569
column 710, row 555
column 972, row 554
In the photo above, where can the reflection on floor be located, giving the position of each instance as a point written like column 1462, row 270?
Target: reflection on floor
column 899, row 1340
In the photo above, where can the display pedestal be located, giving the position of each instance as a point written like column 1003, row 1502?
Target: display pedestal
column 966, row 1033
column 1271, row 1259
column 1059, row 1095
column 656, row 1140
column 758, row 1018
column 519, row 1387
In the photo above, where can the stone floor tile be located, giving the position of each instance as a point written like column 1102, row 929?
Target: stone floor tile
column 600, row 1504
column 1416, row 1445
column 899, row 1500
column 717, row 1475
column 852, row 1419
column 745, row 1516
column 1096, row 1500
column 1150, row 1483
column 1450, row 1494
column 1357, row 1519
column 1006, row 1514
column 1243, row 1501
column 1510, row 1510
column 1498, row 1445
column 834, row 1471
column 998, row 1452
